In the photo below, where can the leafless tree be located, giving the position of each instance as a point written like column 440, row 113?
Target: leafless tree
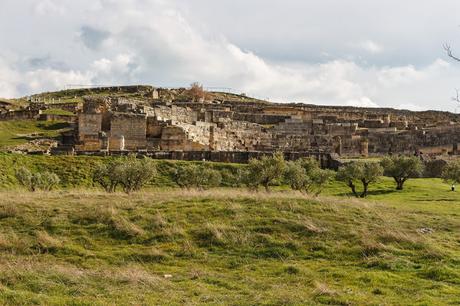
column 449, row 52
column 448, row 49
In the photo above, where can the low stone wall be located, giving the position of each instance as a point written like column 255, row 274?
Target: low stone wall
column 19, row 115
column 65, row 118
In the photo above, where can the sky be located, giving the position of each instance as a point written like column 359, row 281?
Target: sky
column 369, row 53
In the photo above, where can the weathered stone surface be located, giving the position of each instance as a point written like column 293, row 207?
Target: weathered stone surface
column 236, row 126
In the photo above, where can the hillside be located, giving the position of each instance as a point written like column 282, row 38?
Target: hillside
column 230, row 247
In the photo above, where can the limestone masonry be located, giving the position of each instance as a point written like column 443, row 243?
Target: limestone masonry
column 162, row 120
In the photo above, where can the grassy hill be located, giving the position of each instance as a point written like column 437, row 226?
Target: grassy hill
column 17, row 132
column 229, row 246
column 80, row 246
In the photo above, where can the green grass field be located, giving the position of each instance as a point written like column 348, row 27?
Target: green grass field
column 17, row 132
column 166, row 246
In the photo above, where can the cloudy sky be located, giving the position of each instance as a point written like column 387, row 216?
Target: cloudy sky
column 336, row 52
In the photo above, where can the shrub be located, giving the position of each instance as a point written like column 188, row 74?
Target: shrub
column 128, row 172
column 200, row 177
column 306, row 175
column 451, row 173
column 45, row 181
column 136, row 173
column 48, row 181
column 265, row 171
column 108, row 175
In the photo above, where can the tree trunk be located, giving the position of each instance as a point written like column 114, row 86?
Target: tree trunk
column 365, row 189
column 399, row 183
column 353, row 188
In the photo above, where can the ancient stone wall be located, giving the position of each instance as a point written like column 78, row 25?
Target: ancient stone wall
column 128, row 131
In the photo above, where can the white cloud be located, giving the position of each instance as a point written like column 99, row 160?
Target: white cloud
column 370, row 46
column 49, row 7
column 161, row 43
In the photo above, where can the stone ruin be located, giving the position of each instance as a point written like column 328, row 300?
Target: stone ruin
column 156, row 124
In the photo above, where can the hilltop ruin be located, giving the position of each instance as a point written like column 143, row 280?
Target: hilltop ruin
column 179, row 124
column 159, row 122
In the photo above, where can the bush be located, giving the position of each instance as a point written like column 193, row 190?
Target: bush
column 434, row 168
column 128, row 172
column 45, row 181
column 451, row 173
column 200, row 177
column 108, row 175
column 265, row 171
column 136, row 173
column 306, row 175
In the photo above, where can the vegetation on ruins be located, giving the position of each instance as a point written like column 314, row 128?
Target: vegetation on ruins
column 451, row 173
column 358, row 172
column 401, row 168
column 307, row 176
column 129, row 172
column 197, row 93
column 45, row 181
column 197, row 176
column 265, row 171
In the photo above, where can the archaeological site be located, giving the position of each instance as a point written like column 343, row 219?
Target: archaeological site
column 197, row 125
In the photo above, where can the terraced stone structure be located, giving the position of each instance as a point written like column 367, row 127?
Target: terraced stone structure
column 165, row 120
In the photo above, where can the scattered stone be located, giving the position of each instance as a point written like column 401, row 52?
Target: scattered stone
column 425, row 230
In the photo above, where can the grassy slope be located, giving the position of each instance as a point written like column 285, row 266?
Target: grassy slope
column 231, row 247
column 76, row 171
column 19, row 131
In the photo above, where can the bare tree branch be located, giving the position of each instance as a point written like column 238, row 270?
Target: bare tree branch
column 449, row 52
column 457, row 97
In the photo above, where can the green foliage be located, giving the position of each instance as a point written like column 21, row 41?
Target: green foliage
column 306, row 175
column 401, row 168
column 135, row 173
column 357, row 172
column 108, row 174
column 451, row 173
column 197, row 176
column 45, row 181
column 129, row 172
column 265, row 171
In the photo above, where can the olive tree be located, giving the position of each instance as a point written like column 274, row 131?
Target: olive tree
column 451, row 173
column 359, row 172
column 265, row 171
column 306, row 175
column 45, row 181
column 128, row 172
column 401, row 168
column 108, row 175
column 136, row 173
column 200, row 177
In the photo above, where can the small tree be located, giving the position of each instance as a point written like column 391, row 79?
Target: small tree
column 451, row 173
column 306, row 175
column 401, row 168
column 196, row 92
column 136, row 173
column 45, row 181
column 265, row 171
column 108, row 174
column 194, row 176
column 24, row 177
column 360, row 172
column 48, row 181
